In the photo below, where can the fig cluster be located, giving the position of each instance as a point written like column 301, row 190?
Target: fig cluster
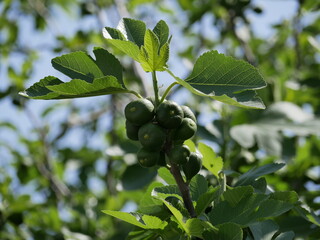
column 161, row 132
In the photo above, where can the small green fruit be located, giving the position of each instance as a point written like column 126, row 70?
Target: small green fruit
column 187, row 113
column 132, row 131
column 185, row 131
column 169, row 114
column 152, row 136
column 179, row 154
column 147, row 158
column 193, row 166
column 139, row 111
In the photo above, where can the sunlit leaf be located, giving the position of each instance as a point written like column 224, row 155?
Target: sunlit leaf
column 225, row 79
column 139, row 220
column 210, row 161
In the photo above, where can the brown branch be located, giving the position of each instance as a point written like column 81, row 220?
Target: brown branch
column 184, row 189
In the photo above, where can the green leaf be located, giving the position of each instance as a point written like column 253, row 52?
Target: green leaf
column 234, row 196
column 162, row 32
column 165, row 174
column 206, row 199
column 260, row 185
column 272, row 208
column 139, row 220
column 128, row 37
column 249, row 209
column 194, row 227
column 112, row 33
column 132, row 30
column 92, row 77
column 40, row 91
column 225, row 79
column 77, row 65
column 80, row 88
column 172, row 232
column 286, row 196
column 167, row 191
column 285, row 236
column 177, row 214
column 254, row 173
column 150, row 48
column 108, row 64
column 148, row 204
column 226, row 231
column 129, row 178
column 308, row 215
column 151, row 58
column 264, row 230
column 210, row 161
column 240, row 214
column 129, row 48
column 191, row 145
column 76, row 88
column 142, row 235
column 198, row 186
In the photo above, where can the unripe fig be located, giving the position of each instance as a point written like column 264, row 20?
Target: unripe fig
column 169, row 114
column 152, row 136
column 187, row 113
column 132, row 131
column 139, row 111
column 179, row 154
column 147, row 158
column 185, row 131
column 193, row 166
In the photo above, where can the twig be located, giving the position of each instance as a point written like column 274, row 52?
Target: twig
column 184, row 189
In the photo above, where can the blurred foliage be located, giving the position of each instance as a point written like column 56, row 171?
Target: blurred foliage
column 51, row 189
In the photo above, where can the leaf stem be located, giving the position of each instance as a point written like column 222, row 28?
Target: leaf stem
column 155, row 88
column 167, row 91
column 184, row 189
column 223, row 185
column 135, row 93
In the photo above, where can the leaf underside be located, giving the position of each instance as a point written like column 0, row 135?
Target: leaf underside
column 225, row 79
